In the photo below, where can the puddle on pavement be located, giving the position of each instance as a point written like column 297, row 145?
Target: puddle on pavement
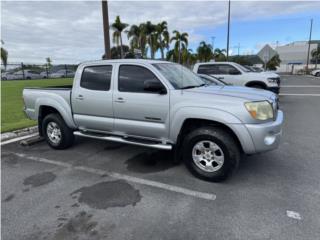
column 39, row 179
column 150, row 162
column 8, row 198
column 79, row 227
column 103, row 195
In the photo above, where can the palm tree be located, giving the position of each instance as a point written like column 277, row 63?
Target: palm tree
column 188, row 58
column 204, row 52
column 163, row 36
column 150, row 30
column 220, row 54
column 118, row 28
column 4, row 55
column 181, row 41
column 315, row 53
column 137, row 36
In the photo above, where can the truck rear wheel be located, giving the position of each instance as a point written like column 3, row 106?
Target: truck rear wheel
column 56, row 132
column 211, row 153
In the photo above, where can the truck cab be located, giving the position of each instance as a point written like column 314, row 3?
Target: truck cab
column 235, row 74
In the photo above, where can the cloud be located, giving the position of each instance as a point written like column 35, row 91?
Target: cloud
column 72, row 31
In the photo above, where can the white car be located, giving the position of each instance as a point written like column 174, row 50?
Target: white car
column 20, row 75
column 316, row 73
column 62, row 73
column 235, row 74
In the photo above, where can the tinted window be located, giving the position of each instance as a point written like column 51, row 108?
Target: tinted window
column 131, row 78
column 226, row 69
column 208, row 69
column 216, row 69
column 96, row 78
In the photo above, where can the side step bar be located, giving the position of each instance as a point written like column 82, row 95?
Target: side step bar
column 123, row 140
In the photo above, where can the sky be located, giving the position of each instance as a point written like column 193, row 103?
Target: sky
column 71, row 31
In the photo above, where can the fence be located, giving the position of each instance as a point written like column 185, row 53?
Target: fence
column 27, row 71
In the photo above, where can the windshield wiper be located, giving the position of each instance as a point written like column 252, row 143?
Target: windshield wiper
column 193, row 86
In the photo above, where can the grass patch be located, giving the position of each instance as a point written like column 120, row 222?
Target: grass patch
column 12, row 116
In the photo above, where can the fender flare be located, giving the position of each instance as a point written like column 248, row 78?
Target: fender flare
column 58, row 103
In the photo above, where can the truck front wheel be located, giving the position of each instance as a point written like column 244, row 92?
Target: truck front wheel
column 211, row 153
column 56, row 132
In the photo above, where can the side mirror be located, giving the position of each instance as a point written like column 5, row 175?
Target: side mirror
column 154, row 86
column 234, row 72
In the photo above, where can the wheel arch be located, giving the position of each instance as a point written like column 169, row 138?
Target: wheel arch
column 191, row 124
column 255, row 82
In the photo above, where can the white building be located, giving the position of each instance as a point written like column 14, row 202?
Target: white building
column 293, row 56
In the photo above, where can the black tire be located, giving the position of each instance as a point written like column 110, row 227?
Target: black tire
column 67, row 137
column 28, row 78
column 318, row 74
column 224, row 140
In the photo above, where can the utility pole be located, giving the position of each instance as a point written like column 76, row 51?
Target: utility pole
column 228, row 34
column 238, row 49
column 307, row 67
column 105, row 16
column 212, row 42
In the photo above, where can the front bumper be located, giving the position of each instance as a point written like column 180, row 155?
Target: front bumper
column 266, row 136
column 275, row 90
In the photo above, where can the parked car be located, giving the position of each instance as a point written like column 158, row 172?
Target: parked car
column 25, row 74
column 233, row 73
column 45, row 74
column 62, row 73
column 316, row 72
column 160, row 105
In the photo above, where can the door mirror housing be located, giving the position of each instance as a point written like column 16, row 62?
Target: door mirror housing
column 154, row 86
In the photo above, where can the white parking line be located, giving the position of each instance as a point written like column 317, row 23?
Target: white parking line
column 299, row 94
column 300, row 86
column 172, row 188
column 294, row 215
column 18, row 139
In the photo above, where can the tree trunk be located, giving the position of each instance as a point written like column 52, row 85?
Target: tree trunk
column 161, row 48
column 179, row 55
column 121, row 50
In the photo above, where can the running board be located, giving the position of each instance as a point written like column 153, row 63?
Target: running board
column 123, row 140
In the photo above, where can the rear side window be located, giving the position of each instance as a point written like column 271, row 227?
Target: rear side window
column 131, row 78
column 208, row 69
column 96, row 78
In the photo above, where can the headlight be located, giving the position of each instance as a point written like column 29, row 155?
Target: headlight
column 273, row 80
column 260, row 110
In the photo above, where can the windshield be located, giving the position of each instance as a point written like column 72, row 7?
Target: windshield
column 179, row 76
column 242, row 67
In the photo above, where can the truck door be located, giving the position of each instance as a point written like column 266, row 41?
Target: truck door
column 139, row 112
column 92, row 99
column 224, row 72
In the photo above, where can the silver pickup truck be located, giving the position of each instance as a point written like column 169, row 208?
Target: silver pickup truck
column 160, row 105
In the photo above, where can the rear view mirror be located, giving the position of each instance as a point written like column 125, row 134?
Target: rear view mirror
column 154, row 86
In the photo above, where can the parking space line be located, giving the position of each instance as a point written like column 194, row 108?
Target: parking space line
column 18, row 139
column 168, row 187
column 299, row 94
column 302, row 86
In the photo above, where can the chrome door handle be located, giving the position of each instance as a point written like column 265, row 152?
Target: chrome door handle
column 120, row 100
column 80, row 97
column 220, row 78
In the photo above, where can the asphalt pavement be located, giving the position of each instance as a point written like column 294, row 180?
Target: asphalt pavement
column 103, row 190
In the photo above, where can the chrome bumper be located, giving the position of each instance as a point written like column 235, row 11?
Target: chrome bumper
column 266, row 136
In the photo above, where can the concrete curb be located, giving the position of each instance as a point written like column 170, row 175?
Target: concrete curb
column 18, row 133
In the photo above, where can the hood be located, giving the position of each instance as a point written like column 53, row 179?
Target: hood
column 245, row 93
column 270, row 74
